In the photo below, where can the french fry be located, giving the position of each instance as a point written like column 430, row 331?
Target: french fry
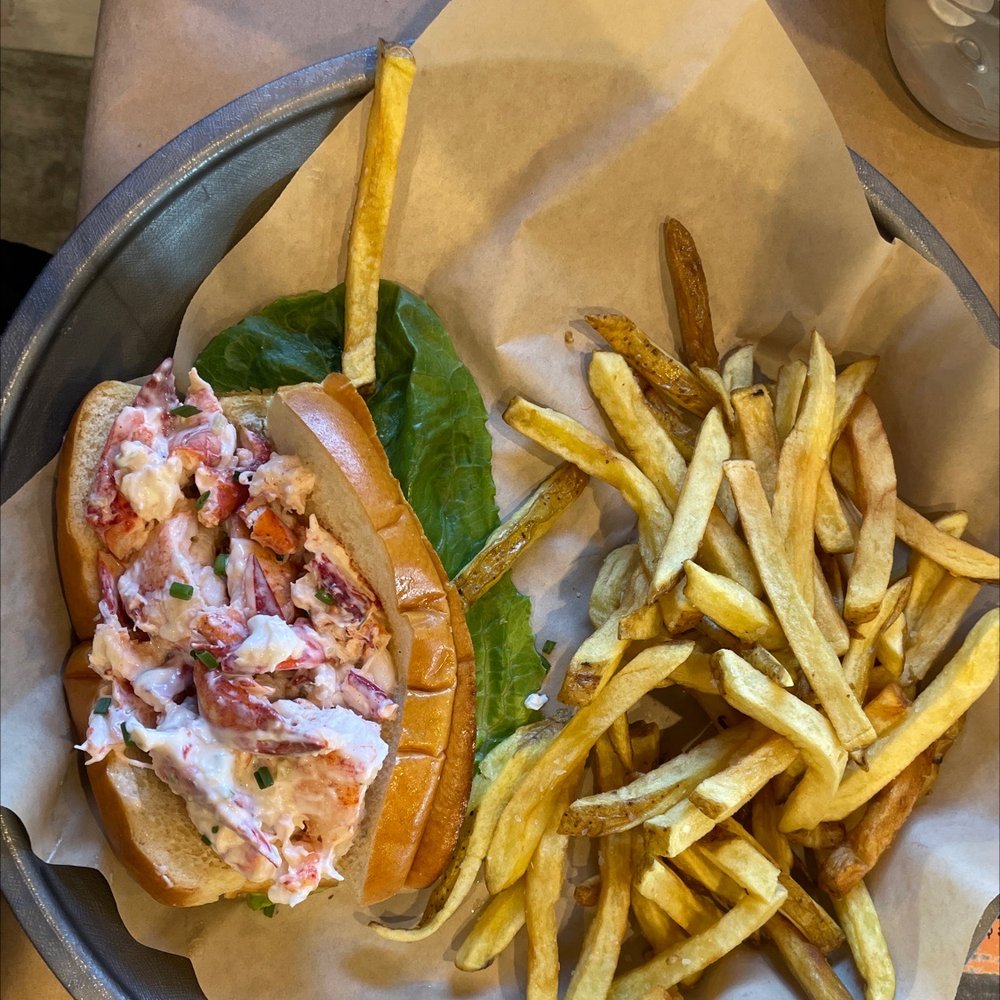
column 691, row 295
column 848, row 863
column 619, row 737
column 655, row 792
column 513, row 757
column 609, row 588
column 587, row 892
column 769, row 665
column 755, row 417
column 694, row 505
column 666, row 374
column 660, row 884
column 861, row 653
column 645, row 745
column 651, row 448
column 524, row 818
column 731, row 606
column 813, row 652
column 742, row 862
column 832, row 527
column 737, row 369
column 953, row 554
column 764, row 817
column 938, row 706
column 936, row 626
column 831, row 626
column 887, row 708
column 851, row 383
column 927, row 574
column 716, row 388
column 805, row 961
column 386, row 122
column 526, row 525
column 875, row 495
column 860, row 922
column 889, row 646
column 602, row 943
column 659, row 930
column 726, row 791
column 695, row 673
column 787, row 396
column 573, row 442
column 803, row 456
column 674, row 831
column 494, row 929
column 820, row 837
column 760, row 698
column 543, row 882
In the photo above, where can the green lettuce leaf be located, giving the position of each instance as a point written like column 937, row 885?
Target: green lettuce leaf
column 431, row 421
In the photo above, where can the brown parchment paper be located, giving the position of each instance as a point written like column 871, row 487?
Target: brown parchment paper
column 546, row 143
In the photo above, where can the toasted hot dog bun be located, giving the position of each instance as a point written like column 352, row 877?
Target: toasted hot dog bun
column 416, row 805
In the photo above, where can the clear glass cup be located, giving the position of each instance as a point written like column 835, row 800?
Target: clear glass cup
column 948, row 54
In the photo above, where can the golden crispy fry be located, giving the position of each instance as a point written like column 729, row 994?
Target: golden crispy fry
column 644, row 623
column 508, row 763
column 760, row 698
column 764, row 817
column 658, row 368
column 889, row 646
column 645, row 745
column 660, row 884
column 650, row 446
column 386, row 121
column 726, row 791
column 755, row 416
column 609, row 588
column 737, row 369
column 691, row 295
column 887, row 708
column 857, row 916
column 696, row 673
column 813, row 652
column 927, row 574
column 676, row 612
column 851, row 383
column 602, row 944
column 875, row 495
column 738, row 859
column 694, row 505
column 732, row 607
column 573, row 442
column 787, row 396
column 834, row 531
column 820, row 837
column 800, row 464
column 831, row 625
column 936, row 626
column 805, row 961
column 543, row 882
column 523, row 820
column 655, row 792
column 861, row 653
column 659, row 929
column 937, row 707
column 495, row 928
column 619, row 737
column 681, row 432
column 769, row 665
column 848, row 863
column 526, row 525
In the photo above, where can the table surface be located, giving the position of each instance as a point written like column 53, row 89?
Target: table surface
column 162, row 65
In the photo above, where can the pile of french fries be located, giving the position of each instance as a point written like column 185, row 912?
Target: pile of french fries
column 761, row 580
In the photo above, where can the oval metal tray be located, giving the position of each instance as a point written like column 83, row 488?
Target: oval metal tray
column 111, row 300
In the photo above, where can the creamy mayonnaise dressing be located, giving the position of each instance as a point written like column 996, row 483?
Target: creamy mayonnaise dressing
column 255, row 679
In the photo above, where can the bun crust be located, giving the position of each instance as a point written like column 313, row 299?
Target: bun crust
column 415, row 807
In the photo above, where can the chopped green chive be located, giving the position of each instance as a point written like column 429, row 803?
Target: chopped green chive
column 548, row 646
column 102, row 705
column 263, row 777
column 184, row 410
column 324, row 595
column 204, row 657
column 259, row 903
column 202, row 499
column 126, row 736
column 215, row 829
column 182, row 591
column 205, row 840
column 220, row 564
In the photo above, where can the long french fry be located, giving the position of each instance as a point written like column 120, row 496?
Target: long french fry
column 755, row 417
column 828, row 619
column 851, row 383
column 731, row 606
column 875, row 495
column 524, row 819
column 386, row 122
column 805, row 961
column 787, row 396
column 727, row 791
column 495, row 928
column 938, row 706
column 860, row 922
column 694, row 912
column 861, row 653
column 927, row 574
column 833, row 529
column 818, row 660
column 737, row 369
column 803, row 456
column 574, row 443
column 694, row 505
